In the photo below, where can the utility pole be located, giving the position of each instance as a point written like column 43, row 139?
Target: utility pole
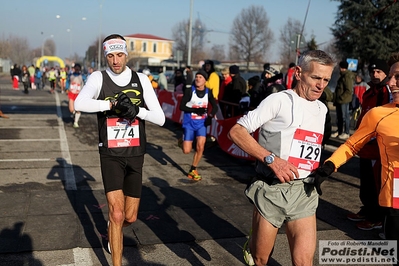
column 99, row 38
column 300, row 35
column 190, row 33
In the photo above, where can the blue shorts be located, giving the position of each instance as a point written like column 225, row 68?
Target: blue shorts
column 190, row 134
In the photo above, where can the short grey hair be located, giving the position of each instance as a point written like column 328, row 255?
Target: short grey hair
column 317, row 56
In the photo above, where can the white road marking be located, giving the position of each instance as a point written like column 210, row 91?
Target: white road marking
column 27, row 160
column 70, row 181
column 28, row 140
column 82, row 256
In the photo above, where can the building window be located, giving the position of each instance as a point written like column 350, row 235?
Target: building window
column 131, row 46
column 144, row 47
column 154, row 47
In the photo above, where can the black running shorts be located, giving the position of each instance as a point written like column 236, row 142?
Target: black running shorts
column 123, row 173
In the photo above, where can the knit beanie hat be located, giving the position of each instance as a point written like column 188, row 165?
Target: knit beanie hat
column 203, row 73
column 343, row 64
column 379, row 64
column 234, row 69
column 252, row 81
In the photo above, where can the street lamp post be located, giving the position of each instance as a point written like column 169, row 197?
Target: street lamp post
column 190, row 32
column 99, row 38
column 70, row 41
column 44, row 40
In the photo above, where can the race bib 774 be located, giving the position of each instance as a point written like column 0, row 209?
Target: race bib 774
column 122, row 133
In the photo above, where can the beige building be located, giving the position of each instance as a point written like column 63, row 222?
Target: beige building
column 147, row 50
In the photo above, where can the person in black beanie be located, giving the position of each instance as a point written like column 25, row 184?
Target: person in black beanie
column 266, row 66
column 370, row 215
column 254, row 91
column 235, row 90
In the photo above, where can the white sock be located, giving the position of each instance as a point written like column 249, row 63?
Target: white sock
column 77, row 116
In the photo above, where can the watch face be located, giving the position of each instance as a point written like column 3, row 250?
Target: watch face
column 269, row 159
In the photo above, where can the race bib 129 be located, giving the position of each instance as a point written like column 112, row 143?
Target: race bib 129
column 306, row 149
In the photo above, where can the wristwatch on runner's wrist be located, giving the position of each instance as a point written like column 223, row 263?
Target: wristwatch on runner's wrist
column 269, row 159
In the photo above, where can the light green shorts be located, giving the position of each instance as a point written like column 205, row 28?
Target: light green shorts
column 283, row 201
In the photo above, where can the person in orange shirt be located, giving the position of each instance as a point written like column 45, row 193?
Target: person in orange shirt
column 370, row 215
column 380, row 123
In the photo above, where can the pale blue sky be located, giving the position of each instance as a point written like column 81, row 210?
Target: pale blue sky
column 28, row 18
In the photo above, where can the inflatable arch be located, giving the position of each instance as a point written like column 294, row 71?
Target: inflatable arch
column 50, row 58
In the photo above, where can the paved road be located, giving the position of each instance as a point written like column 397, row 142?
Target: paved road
column 53, row 209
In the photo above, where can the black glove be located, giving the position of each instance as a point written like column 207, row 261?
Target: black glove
column 130, row 113
column 321, row 174
column 125, row 107
column 208, row 120
column 199, row 111
column 123, row 103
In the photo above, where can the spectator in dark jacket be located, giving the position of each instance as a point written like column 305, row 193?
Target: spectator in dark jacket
column 235, row 90
column 189, row 77
column 254, row 91
column 180, row 81
column 239, row 84
column 342, row 98
column 326, row 96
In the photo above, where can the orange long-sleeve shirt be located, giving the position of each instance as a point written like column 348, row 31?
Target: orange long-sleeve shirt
column 381, row 123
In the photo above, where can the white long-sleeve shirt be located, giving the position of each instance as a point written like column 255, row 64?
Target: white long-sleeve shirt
column 87, row 99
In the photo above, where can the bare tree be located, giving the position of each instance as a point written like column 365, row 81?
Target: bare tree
column 5, row 48
column 20, row 52
column 36, row 52
column 218, row 52
column 49, row 47
column 288, row 36
column 92, row 52
column 251, row 36
column 76, row 58
column 180, row 33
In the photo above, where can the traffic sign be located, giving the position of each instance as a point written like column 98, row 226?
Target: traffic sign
column 352, row 64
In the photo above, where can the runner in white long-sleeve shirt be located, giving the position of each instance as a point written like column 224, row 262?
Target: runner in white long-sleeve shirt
column 123, row 100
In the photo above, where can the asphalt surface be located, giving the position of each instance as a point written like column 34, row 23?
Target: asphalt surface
column 53, row 209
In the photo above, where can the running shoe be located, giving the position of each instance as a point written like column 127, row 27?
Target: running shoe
column 343, row 136
column 108, row 246
column 335, row 134
column 247, row 253
column 356, row 217
column 194, row 175
column 75, row 125
column 367, row 225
